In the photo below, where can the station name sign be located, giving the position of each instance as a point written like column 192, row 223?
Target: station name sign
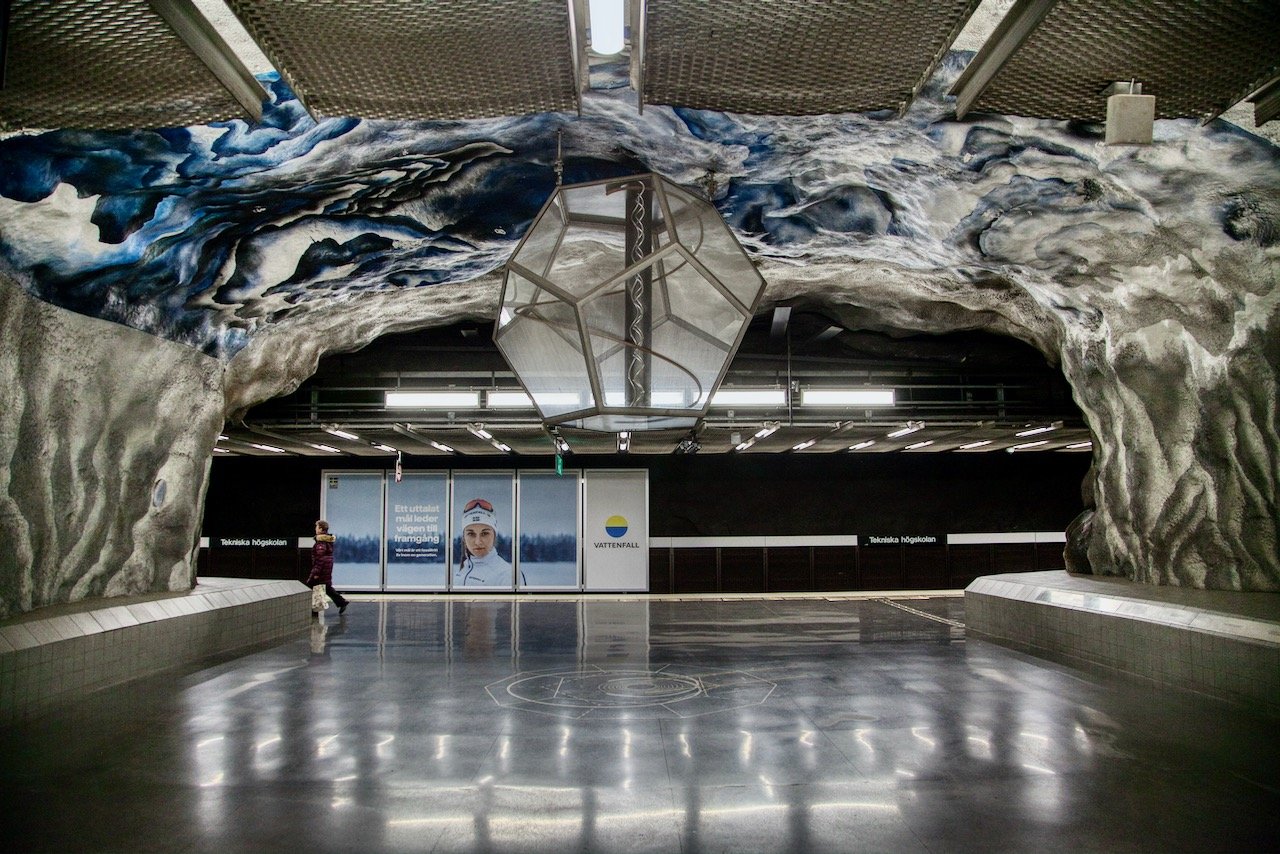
column 249, row 542
column 902, row 540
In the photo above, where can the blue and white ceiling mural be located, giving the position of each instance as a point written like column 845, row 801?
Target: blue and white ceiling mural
column 203, row 235
column 1149, row 273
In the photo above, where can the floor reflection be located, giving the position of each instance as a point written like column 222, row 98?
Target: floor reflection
column 633, row 725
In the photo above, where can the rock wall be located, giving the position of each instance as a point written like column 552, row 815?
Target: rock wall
column 105, row 439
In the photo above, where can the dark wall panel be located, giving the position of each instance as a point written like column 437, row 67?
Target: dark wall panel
column 926, row 567
column 835, row 568
column 660, row 570
column 790, row 569
column 1049, row 556
column 742, row 570
column 882, row 568
column 968, row 562
column 695, row 570
column 1013, row 557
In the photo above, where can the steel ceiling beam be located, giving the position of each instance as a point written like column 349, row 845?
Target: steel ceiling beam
column 1266, row 102
column 212, row 49
column 1014, row 29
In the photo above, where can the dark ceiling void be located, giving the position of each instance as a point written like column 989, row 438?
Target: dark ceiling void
column 963, row 392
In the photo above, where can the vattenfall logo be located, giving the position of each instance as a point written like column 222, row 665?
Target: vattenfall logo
column 616, row 526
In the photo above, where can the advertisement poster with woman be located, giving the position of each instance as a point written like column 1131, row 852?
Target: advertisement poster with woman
column 483, row 530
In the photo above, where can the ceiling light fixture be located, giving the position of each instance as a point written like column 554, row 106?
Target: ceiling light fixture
column 270, row 448
column 1032, row 431
column 626, row 299
column 624, row 441
column 923, row 444
column 981, row 443
column 750, row 397
column 1079, row 446
column 866, row 443
column 341, row 434
column 607, row 32
column 1026, row 445
column 440, row 446
column 387, row 448
column 911, row 427
column 433, row 400
column 769, row 428
column 326, row 448
column 508, row 400
column 803, row 445
column 847, row 397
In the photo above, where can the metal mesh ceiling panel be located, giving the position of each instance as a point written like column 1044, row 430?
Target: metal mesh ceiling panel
column 1197, row 59
column 111, row 64
column 795, row 57
column 408, row 59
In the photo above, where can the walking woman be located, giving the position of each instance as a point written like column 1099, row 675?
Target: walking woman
column 322, row 565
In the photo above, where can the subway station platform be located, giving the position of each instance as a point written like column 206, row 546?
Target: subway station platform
column 809, row 724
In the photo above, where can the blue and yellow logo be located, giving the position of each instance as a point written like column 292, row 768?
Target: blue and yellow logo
column 615, row 526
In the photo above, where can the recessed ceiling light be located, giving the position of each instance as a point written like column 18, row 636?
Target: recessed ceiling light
column 749, row 397
column 433, row 399
column 847, row 397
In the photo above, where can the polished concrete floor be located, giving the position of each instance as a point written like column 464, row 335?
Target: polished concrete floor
column 672, row 726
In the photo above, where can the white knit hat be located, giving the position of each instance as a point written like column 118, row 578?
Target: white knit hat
column 479, row 512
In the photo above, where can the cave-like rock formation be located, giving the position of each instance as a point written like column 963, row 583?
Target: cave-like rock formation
column 105, row 440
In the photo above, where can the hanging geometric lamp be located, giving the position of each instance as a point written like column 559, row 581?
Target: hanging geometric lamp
column 624, row 304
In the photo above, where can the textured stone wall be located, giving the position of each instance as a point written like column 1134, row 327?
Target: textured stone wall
column 95, row 418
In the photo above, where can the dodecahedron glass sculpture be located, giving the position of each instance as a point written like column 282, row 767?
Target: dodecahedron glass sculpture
column 624, row 304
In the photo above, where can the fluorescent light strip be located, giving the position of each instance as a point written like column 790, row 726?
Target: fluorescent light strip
column 502, row 446
column 803, row 445
column 341, row 434
column 270, row 448
column 911, row 427
column 509, row 400
column 325, row 448
column 846, row 397
column 1079, row 446
column 387, row 448
column 441, row 447
column 864, row 444
column 979, row 444
column 221, row 451
column 1034, row 430
column 1025, row 445
column 923, row 444
column 433, row 399
column 749, row 397
column 479, row 432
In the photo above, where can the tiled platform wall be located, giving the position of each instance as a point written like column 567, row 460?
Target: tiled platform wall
column 1219, row 643
column 71, row 651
